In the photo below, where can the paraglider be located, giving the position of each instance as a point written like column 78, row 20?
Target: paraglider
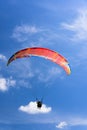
column 45, row 53
column 42, row 52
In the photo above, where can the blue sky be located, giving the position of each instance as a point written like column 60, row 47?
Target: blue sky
column 57, row 25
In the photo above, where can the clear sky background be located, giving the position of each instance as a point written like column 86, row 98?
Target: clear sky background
column 60, row 25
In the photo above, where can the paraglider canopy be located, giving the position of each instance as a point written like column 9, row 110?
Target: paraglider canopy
column 42, row 52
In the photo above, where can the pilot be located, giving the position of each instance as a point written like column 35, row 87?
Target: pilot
column 39, row 104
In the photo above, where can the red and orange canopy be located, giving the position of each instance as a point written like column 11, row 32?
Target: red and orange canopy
column 42, row 52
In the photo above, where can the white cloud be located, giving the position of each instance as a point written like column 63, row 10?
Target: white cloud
column 72, row 121
column 78, row 26
column 61, row 125
column 3, row 85
column 23, row 32
column 31, row 108
column 2, row 57
column 6, row 83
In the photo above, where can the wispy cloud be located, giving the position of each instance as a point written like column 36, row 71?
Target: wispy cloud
column 31, row 108
column 24, row 66
column 78, row 26
column 23, row 32
column 61, row 125
column 5, row 83
column 78, row 121
column 2, row 57
column 31, row 35
column 51, row 72
column 24, row 83
column 70, row 122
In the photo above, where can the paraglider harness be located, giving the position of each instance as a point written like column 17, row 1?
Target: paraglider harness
column 39, row 103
